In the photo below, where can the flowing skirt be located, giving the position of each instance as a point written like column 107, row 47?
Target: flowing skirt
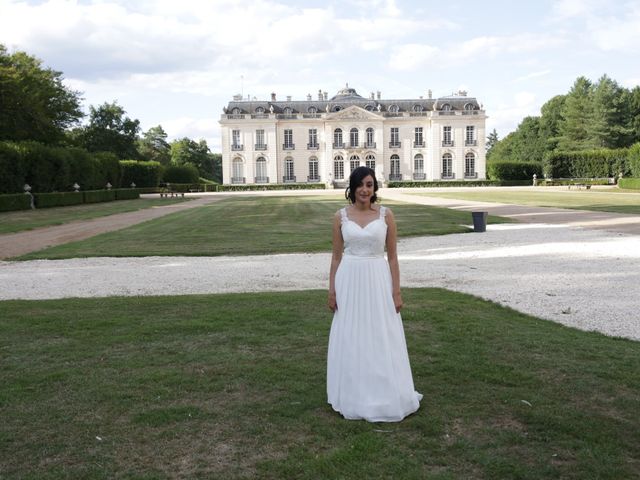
column 368, row 371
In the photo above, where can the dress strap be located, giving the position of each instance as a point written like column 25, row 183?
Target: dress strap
column 383, row 211
column 343, row 215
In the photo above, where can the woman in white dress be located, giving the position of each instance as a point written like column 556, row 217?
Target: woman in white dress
column 368, row 371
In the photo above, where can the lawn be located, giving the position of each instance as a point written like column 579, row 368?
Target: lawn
column 233, row 387
column 598, row 200
column 18, row 221
column 250, row 225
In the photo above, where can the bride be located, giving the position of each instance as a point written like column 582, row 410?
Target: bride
column 368, row 371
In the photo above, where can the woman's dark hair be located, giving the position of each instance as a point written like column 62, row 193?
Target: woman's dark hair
column 355, row 180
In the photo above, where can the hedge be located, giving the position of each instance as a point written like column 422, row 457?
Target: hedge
column 12, row 169
column 58, row 199
column 631, row 183
column 587, row 164
column 513, row 170
column 458, row 183
column 96, row 196
column 189, row 187
column 127, row 193
column 181, row 174
column 633, row 160
column 143, row 174
column 15, row 201
column 271, row 186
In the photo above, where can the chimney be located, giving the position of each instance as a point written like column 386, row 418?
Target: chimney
column 320, row 95
column 273, row 97
column 308, row 97
column 325, row 95
column 288, row 98
column 372, row 96
column 378, row 94
column 237, row 97
column 429, row 94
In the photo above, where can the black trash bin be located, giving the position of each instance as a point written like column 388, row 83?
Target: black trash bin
column 479, row 221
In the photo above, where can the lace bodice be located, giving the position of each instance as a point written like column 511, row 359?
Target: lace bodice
column 364, row 242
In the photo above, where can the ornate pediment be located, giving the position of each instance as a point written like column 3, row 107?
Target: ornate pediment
column 353, row 113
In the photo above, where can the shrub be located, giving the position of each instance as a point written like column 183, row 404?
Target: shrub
column 108, row 169
column 181, row 174
column 587, row 164
column 271, row 186
column 633, row 160
column 59, row 199
column 12, row 169
column 631, row 183
column 96, row 196
column 513, row 170
column 143, row 174
column 127, row 193
column 15, row 201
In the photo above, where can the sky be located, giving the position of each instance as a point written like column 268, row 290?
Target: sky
column 177, row 63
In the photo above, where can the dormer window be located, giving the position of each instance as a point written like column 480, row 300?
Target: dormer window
column 417, row 108
column 468, row 106
column 235, row 111
column 446, row 107
column 337, row 108
column 287, row 110
column 393, row 108
column 260, row 110
column 312, row 110
column 369, row 107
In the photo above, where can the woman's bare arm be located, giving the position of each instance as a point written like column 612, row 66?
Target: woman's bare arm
column 392, row 256
column 336, row 257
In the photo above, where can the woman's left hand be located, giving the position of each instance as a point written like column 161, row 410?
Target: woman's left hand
column 397, row 301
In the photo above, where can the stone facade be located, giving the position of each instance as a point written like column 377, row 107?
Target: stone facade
column 323, row 140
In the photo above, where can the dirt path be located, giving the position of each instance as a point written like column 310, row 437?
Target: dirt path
column 21, row 243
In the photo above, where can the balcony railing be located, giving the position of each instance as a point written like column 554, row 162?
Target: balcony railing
column 338, row 145
column 395, row 177
column 470, row 174
column 448, row 175
column 289, row 179
column 446, row 112
column 238, row 180
column 286, row 116
column 311, row 115
column 419, row 176
column 312, row 146
column 418, row 144
column 392, row 114
column 395, row 144
column 471, row 143
column 259, row 115
column 288, row 146
column 370, row 145
column 311, row 179
column 418, row 114
column 237, row 148
column 235, row 116
column 447, row 143
column 470, row 112
column 261, row 146
column 261, row 179
column 353, row 145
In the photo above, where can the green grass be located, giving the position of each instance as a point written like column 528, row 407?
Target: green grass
column 11, row 222
column 250, row 225
column 233, row 386
column 603, row 201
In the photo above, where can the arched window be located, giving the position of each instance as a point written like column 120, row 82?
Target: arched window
column 417, row 108
column 354, row 162
column 337, row 138
column 287, row 110
column 261, row 170
column 370, row 138
column 288, row 170
column 370, row 161
column 394, row 108
column 259, row 110
column 353, row 137
column 468, row 106
column 395, row 168
column 447, row 166
column 313, row 170
column 235, row 111
column 369, row 107
column 237, row 166
column 470, row 165
column 336, row 108
column 312, row 110
column 446, row 107
column 418, row 163
column 338, row 167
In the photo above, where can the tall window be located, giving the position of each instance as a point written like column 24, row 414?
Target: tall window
column 313, row 138
column 337, row 138
column 288, row 139
column 235, row 140
column 446, row 136
column 261, row 170
column 447, row 166
column 418, row 140
column 260, row 145
column 370, row 137
column 469, row 165
column 313, row 170
column 354, row 162
column 470, row 137
column 288, row 170
column 338, row 167
column 370, row 161
column 395, row 137
column 418, row 164
column 238, row 171
column 395, row 168
column 353, row 137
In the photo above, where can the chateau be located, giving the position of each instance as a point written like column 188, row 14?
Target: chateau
column 322, row 140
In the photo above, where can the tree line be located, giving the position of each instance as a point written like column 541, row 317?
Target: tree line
column 36, row 106
column 591, row 116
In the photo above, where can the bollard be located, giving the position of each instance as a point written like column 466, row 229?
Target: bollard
column 479, row 221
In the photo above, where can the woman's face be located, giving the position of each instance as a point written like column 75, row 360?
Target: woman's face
column 365, row 191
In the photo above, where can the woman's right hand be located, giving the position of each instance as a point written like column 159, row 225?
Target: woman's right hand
column 331, row 302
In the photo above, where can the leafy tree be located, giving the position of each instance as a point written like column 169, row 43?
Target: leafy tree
column 492, row 140
column 154, row 146
column 34, row 102
column 550, row 121
column 577, row 115
column 607, row 127
column 634, row 114
column 187, row 151
column 109, row 130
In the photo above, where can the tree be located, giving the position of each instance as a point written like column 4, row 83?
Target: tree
column 607, row 128
column 110, row 131
column 577, row 113
column 34, row 102
column 154, row 146
column 492, row 140
column 187, row 151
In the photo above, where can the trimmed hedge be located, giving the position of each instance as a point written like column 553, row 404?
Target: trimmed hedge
column 513, row 170
column 181, row 174
column 633, row 160
column 127, row 193
column 189, row 187
column 271, row 186
column 15, row 201
column 571, row 181
column 458, row 183
column 631, row 183
column 587, row 164
column 96, row 196
column 58, row 199
column 12, row 169
column 143, row 174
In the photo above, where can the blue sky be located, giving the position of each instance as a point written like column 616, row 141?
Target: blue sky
column 177, row 63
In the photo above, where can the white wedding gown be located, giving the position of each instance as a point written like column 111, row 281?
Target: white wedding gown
column 368, row 371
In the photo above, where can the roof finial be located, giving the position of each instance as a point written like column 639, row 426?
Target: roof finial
column 347, row 85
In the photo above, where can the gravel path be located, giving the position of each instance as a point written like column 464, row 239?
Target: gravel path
column 589, row 279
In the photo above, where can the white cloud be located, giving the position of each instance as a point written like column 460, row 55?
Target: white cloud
column 531, row 75
column 510, row 112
